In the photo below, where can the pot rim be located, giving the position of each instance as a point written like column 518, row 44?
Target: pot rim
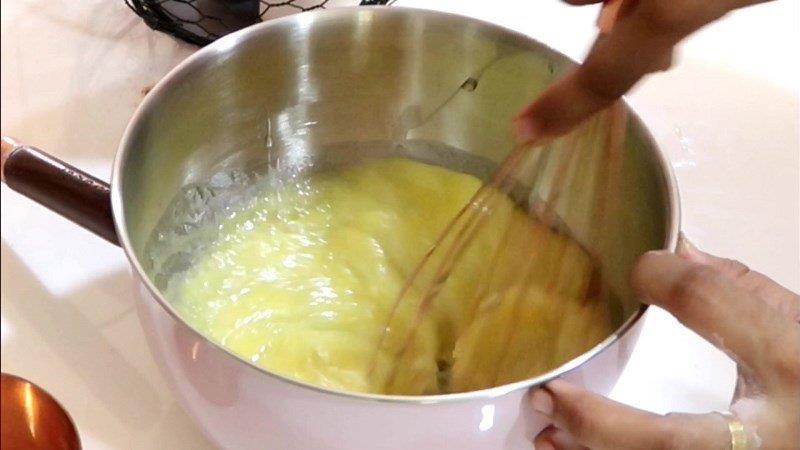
column 229, row 41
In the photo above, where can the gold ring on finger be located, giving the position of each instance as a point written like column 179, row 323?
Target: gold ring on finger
column 739, row 440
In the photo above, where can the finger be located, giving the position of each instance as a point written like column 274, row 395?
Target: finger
column 599, row 423
column 551, row 438
column 561, row 108
column 641, row 42
column 786, row 302
column 610, row 13
column 764, row 343
column 615, row 63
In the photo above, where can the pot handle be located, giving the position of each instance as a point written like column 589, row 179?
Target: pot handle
column 62, row 188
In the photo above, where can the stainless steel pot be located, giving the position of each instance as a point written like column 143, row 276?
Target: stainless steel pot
column 324, row 88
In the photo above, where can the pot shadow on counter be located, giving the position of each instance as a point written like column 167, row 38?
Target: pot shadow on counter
column 135, row 413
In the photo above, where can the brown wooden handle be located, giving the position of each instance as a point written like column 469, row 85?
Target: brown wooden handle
column 58, row 186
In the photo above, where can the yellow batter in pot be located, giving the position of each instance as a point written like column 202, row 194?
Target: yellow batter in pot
column 301, row 281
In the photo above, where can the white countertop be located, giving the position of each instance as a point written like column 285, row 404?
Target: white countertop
column 73, row 72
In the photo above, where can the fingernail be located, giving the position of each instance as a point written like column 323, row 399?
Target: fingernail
column 543, row 402
column 684, row 244
column 687, row 250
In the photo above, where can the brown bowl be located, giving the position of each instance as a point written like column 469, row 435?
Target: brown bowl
column 33, row 419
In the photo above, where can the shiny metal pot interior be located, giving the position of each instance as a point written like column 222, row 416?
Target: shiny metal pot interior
column 320, row 88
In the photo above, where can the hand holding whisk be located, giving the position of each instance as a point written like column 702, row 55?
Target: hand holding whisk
column 490, row 204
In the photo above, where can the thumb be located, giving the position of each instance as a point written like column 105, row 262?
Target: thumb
column 601, row 424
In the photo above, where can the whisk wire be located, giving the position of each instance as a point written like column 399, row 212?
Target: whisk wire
column 429, row 277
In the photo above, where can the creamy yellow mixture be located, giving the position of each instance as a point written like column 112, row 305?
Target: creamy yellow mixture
column 302, row 279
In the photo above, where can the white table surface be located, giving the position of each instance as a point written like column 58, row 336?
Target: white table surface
column 73, row 72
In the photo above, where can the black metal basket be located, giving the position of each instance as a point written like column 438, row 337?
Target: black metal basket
column 201, row 22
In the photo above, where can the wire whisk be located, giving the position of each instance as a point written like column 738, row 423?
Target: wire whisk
column 550, row 263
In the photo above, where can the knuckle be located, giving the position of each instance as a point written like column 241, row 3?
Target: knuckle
column 680, row 17
column 578, row 423
column 736, row 268
column 696, row 285
column 787, row 365
column 665, row 17
column 659, row 16
column 665, row 62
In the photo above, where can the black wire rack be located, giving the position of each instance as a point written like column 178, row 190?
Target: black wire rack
column 201, row 22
